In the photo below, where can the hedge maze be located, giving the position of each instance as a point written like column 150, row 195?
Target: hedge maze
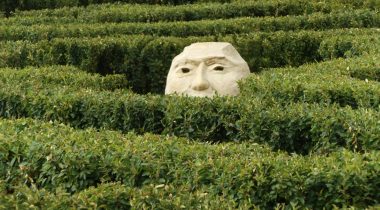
column 84, row 123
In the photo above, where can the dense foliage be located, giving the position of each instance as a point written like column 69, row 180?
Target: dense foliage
column 50, row 156
column 77, row 131
column 138, row 56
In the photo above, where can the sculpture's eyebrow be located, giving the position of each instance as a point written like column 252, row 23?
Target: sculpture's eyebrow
column 208, row 61
column 215, row 60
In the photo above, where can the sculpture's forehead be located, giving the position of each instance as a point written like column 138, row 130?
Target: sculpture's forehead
column 208, row 50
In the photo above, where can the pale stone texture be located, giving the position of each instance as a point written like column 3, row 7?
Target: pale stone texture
column 205, row 69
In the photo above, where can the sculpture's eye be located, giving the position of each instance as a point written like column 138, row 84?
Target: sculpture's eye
column 185, row 70
column 219, row 68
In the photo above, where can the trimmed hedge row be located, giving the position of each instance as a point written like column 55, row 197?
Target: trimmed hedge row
column 345, row 65
column 149, row 13
column 51, row 4
column 316, row 21
column 119, row 196
column 321, row 83
column 9, row 6
column 52, row 156
column 68, row 76
column 287, row 88
column 300, row 128
column 139, row 56
column 366, row 73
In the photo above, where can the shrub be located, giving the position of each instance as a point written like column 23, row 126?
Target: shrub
column 138, row 56
column 326, row 83
column 60, row 76
column 221, row 27
column 300, row 128
column 150, row 168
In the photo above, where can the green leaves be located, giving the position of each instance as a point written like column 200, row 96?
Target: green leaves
column 316, row 21
column 304, row 134
column 314, row 116
column 138, row 56
column 324, row 83
column 108, row 168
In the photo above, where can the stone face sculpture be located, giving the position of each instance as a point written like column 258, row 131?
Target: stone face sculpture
column 205, row 69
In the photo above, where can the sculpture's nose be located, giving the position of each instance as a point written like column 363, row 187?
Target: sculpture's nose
column 200, row 81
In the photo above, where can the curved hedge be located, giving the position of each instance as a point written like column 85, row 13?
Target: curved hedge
column 371, row 73
column 316, row 21
column 60, row 76
column 303, row 136
column 325, row 83
column 139, row 56
column 300, row 128
column 9, row 6
column 154, row 13
column 52, row 156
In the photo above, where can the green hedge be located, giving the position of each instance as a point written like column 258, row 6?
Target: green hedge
column 326, row 83
column 297, row 128
column 366, row 74
column 118, row 196
column 11, row 5
column 150, row 168
column 139, row 56
column 317, row 21
column 104, row 56
column 287, row 7
column 300, row 128
column 67, row 76
column 114, row 196
column 149, row 13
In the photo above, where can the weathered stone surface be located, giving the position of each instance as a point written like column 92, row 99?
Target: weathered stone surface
column 205, row 69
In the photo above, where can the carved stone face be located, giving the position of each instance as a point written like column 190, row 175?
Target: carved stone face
column 206, row 69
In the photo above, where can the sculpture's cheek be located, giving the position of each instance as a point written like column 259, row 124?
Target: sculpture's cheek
column 177, row 85
column 226, row 87
column 226, row 84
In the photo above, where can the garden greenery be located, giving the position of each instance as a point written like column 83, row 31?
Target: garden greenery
column 84, row 123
